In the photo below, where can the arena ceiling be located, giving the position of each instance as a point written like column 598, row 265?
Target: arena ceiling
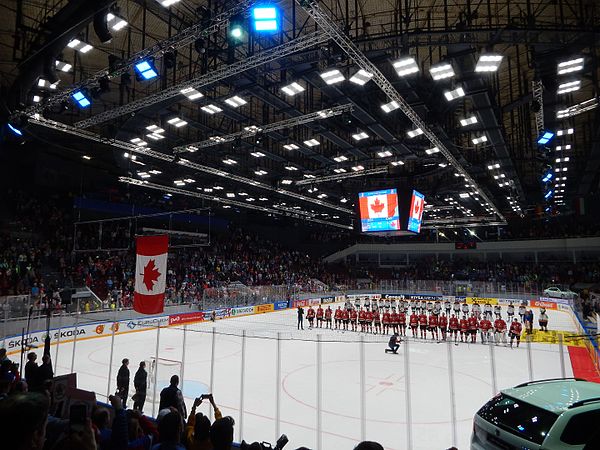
column 255, row 151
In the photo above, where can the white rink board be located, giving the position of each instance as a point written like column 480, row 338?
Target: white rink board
column 385, row 378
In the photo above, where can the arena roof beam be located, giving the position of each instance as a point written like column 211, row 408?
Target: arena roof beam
column 265, row 129
column 212, row 77
column 354, row 53
column 186, row 37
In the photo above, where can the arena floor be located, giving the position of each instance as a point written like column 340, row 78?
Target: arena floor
column 385, row 378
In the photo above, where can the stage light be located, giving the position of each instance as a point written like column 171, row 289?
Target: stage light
column 146, row 70
column 63, row 66
column 548, row 194
column 441, row 71
column 230, row 162
column 266, row 18
column 100, row 24
column 397, row 163
column 358, row 168
column 332, row 76
column 115, row 22
column 545, row 138
column 468, row 121
column 339, row 170
column 286, row 181
column 36, row 99
column 177, row 122
column 384, row 154
column 340, row 158
column 569, row 87
column 81, row 98
column 547, row 177
column 454, row 94
column 14, row 130
column 167, row 3
column 253, row 129
column 211, row 109
column 360, row 136
column 236, row 27
column 80, row 46
column 464, row 195
column 293, row 89
column 479, row 140
column 311, row 143
column 391, row 106
column 86, row 157
column 563, row 132
column 406, row 66
column 432, row 151
column 257, row 154
column 291, row 147
column 42, row 83
column 139, row 142
column 260, row 172
column 414, row 133
column 488, row 62
column 291, row 168
column 572, row 65
column 235, row 101
column 191, row 93
column 361, row 77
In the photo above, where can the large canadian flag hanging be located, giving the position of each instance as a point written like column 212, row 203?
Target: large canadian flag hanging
column 150, row 273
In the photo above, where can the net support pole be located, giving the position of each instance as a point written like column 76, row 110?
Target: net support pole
column 529, row 357
column 452, row 393
column 493, row 368
column 561, row 352
column 242, row 377
column 75, row 338
column 409, row 443
column 278, row 388
column 155, row 370
column 319, row 392
column 183, row 356
column 212, row 368
column 110, row 362
column 363, row 392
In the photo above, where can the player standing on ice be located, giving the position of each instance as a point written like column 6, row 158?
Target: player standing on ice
column 443, row 324
column 393, row 320
column 400, row 322
column 337, row 317
column 413, row 306
column 453, row 326
column 310, row 315
column 433, row 326
column 376, row 321
column 464, row 329
column 414, row 323
column 522, row 312
column 543, row 320
column 447, row 306
column 485, row 326
column 500, row 330
column 515, row 332
column 423, row 324
column 369, row 321
column 353, row 317
column 328, row 314
column 510, row 311
column 465, row 308
column 473, row 326
column 476, row 309
column 487, row 310
column 456, row 308
column 320, row 317
column 386, row 321
column 437, row 308
column 497, row 310
column 300, row 317
column 345, row 318
column 362, row 316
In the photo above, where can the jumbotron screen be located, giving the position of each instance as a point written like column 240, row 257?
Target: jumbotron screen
column 417, row 203
column 379, row 211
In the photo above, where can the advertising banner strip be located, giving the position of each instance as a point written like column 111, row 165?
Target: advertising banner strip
column 259, row 309
column 482, row 300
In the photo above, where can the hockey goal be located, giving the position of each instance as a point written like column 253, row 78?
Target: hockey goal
column 160, row 371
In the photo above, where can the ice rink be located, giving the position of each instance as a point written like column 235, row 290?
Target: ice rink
column 338, row 412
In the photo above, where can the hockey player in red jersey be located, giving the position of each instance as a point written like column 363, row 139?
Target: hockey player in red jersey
column 353, row 317
column 414, row 323
column 464, row 329
column 362, row 317
column 500, row 330
column 401, row 323
column 376, row 321
column 328, row 314
column 515, row 331
column 485, row 326
column 433, row 326
column 443, row 324
column 337, row 317
column 345, row 318
column 320, row 317
column 473, row 326
column 453, row 325
column 369, row 321
column 310, row 315
column 385, row 321
column 423, row 324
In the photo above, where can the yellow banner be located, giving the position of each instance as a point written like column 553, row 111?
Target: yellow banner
column 552, row 337
column 264, row 308
column 482, row 300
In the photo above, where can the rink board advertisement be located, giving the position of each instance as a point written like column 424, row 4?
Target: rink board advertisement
column 543, row 304
column 482, row 300
column 283, row 304
column 184, row 318
column 242, row 311
column 259, row 309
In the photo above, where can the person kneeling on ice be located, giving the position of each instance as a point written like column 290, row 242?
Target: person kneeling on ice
column 393, row 343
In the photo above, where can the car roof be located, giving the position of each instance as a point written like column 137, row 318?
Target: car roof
column 555, row 395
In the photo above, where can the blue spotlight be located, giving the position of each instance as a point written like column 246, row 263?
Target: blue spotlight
column 146, row 70
column 547, row 177
column 15, row 130
column 266, row 18
column 545, row 137
column 81, row 99
column 548, row 194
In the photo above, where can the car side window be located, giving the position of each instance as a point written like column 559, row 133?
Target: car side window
column 581, row 428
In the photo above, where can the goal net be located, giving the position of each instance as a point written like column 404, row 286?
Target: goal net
column 160, row 371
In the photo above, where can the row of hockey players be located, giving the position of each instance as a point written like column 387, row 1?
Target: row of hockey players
column 438, row 325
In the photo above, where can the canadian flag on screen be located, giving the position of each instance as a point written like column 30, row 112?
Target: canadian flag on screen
column 417, row 209
column 381, row 206
column 150, row 273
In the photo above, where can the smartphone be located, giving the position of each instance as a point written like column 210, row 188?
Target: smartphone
column 77, row 415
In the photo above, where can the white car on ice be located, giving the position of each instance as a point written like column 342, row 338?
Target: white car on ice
column 556, row 292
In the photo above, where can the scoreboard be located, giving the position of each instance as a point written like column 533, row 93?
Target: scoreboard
column 390, row 212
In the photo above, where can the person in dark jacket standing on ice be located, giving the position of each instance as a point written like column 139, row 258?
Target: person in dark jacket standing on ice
column 140, row 382
column 300, row 317
column 123, row 382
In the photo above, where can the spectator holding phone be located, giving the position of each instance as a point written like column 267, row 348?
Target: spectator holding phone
column 197, row 430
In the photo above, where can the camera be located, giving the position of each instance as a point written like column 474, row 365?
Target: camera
column 281, row 442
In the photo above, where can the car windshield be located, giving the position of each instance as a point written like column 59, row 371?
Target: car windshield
column 519, row 418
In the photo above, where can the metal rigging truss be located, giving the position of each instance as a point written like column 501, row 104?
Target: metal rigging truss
column 538, row 95
column 186, row 37
column 263, row 129
column 132, row 148
column 342, row 176
column 266, row 56
column 354, row 53
column 283, row 211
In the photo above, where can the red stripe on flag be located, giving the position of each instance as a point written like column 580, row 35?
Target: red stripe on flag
column 148, row 304
column 152, row 245
column 583, row 366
